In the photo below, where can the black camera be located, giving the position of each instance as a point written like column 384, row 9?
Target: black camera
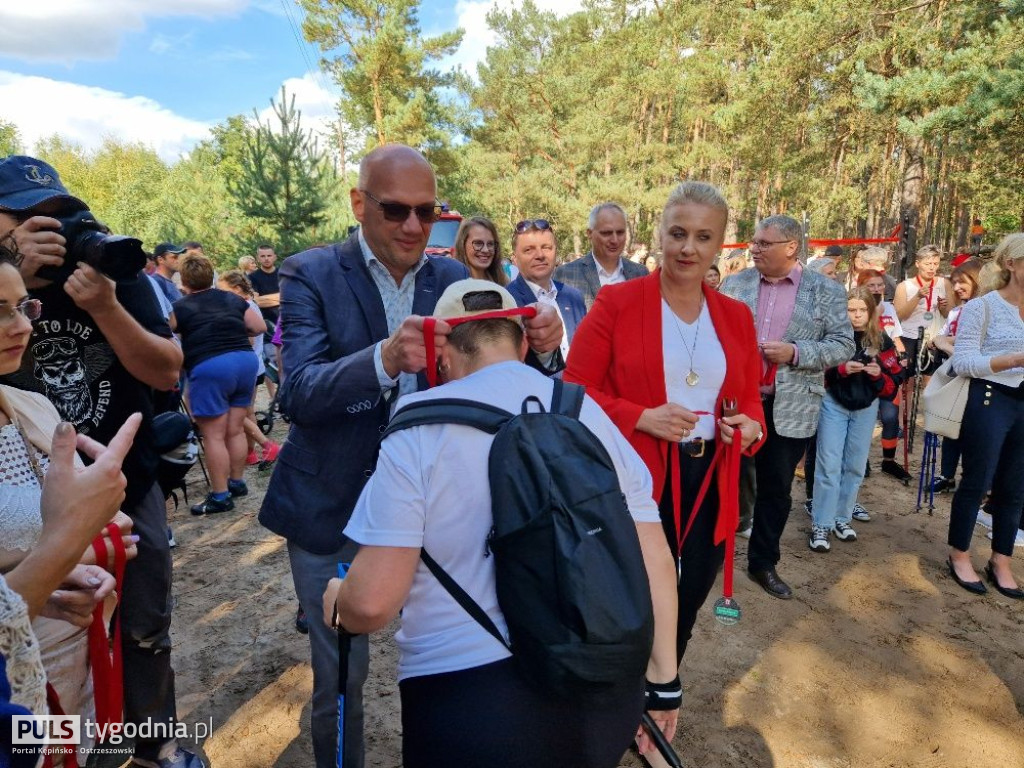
column 117, row 256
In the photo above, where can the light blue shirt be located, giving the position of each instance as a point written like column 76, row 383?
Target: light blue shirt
column 397, row 300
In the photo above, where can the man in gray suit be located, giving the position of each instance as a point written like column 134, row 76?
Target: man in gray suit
column 352, row 319
column 802, row 329
column 604, row 265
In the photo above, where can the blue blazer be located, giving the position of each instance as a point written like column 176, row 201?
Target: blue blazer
column 570, row 302
column 333, row 317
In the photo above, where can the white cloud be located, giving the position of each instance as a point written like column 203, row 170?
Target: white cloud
column 73, row 30
column 317, row 104
column 41, row 107
column 472, row 18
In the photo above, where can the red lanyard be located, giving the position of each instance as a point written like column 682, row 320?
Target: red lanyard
column 104, row 653
column 931, row 290
column 430, row 322
column 729, row 505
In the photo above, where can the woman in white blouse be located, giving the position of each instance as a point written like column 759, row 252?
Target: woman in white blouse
column 990, row 349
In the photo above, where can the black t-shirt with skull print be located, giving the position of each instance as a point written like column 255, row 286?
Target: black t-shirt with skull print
column 70, row 361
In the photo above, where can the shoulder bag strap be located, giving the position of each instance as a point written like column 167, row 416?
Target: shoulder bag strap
column 469, row 605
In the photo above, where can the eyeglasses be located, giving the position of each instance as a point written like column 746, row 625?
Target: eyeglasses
column 398, row 212
column 528, row 224
column 762, row 245
column 480, row 245
column 31, row 309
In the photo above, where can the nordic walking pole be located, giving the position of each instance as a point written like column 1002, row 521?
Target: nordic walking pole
column 344, row 644
column 661, row 742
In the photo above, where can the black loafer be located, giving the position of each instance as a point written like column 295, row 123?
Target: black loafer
column 770, row 582
column 1015, row 593
column 974, row 587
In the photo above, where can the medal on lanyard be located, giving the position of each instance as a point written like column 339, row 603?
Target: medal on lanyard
column 928, row 314
column 727, row 610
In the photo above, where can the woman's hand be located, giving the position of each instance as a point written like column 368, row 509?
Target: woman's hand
column 669, row 422
column 331, row 600
column 78, row 595
column 853, row 366
column 748, row 427
column 873, row 369
column 124, row 525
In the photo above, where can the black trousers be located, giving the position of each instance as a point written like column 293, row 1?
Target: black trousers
column 701, row 559
column 491, row 716
column 992, row 441
column 775, row 464
column 145, row 616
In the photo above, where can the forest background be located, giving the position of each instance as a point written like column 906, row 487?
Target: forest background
column 855, row 113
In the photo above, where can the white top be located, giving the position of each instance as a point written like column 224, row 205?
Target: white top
column 610, row 278
column 1004, row 335
column 889, row 320
column 950, row 328
column 700, row 338
column 20, row 521
column 550, row 297
column 430, row 490
column 917, row 319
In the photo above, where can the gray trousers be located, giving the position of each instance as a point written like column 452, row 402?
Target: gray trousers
column 310, row 574
column 145, row 616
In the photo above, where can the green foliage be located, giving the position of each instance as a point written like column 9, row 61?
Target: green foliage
column 10, row 139
column 376, row 53
column 285, row 179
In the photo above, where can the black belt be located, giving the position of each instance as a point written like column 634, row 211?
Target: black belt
column 697, row 448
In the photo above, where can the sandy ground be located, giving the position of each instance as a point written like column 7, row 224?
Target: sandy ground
column 879, row 661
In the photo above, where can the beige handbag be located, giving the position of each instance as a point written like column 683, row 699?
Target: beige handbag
column 945, row 397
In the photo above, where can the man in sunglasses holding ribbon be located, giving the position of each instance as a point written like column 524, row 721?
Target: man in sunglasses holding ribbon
column 352, row 318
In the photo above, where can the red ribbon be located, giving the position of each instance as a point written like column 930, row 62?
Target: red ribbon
column 931, row 290
column 728, row 505
column 105, row 653
column 430, row 323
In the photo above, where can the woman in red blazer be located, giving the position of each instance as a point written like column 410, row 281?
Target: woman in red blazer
column 661, row 354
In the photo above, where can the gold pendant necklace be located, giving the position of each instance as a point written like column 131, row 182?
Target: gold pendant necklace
column 692, row 378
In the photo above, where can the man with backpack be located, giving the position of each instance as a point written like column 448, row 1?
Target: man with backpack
column 529, row 624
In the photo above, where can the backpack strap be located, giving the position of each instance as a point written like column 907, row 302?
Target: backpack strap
column 469, row 605
column 484, row 417
column 567, row 398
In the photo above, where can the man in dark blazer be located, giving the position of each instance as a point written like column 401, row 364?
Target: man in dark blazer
column 605, row 264
column 352, row 319
column 802, row 329
column 535, row 252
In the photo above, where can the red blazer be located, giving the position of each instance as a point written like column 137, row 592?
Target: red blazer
column 616, row 355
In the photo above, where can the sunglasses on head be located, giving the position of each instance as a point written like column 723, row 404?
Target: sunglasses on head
column 427, row 214
column 528, row 224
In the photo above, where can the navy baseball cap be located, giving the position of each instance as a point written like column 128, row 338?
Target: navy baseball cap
column 25, row 182
column 163, row 248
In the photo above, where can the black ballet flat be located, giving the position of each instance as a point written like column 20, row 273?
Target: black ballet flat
column 1014, row 594
column 974, row 587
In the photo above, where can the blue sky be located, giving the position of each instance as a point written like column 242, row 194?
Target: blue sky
column 163, row 71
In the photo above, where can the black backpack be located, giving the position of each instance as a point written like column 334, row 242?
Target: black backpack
column 570, row 575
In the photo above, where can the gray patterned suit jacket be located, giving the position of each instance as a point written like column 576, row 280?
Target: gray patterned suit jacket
column 582, row 275
column 820, row 328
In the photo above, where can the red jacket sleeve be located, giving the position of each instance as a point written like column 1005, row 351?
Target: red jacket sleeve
column 591, row 359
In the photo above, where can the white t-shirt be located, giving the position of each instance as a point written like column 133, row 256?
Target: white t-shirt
column 430, row 490
column 700, row 338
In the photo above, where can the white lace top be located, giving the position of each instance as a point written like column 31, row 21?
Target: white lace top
column 20, row 522
column 972, row 354
column 20, row 648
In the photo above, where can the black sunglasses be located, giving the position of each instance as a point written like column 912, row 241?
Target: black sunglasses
column 528, row 224
column 427, row 214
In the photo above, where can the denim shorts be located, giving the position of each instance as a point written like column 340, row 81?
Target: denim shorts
column 222, row 382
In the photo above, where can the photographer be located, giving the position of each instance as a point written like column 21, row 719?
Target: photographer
column 98, row 352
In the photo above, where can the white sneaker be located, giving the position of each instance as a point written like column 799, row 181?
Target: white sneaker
column 745, row 533
column 860, row 514
column 984, row 519
column 819, row 539
column 844, row 532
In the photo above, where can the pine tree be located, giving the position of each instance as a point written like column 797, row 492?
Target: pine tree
column 285, row 178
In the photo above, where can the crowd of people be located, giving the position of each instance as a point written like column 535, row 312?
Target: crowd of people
column 711, row 381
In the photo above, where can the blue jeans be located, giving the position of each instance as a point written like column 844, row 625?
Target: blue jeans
column 844, row 440
column 310, row 574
